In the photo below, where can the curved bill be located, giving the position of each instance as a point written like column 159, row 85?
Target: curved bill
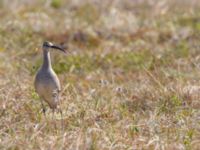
column 59, row 48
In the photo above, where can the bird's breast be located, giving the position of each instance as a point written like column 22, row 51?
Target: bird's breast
column 46, row 81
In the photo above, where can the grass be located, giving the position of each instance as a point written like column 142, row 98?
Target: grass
column 130, row 81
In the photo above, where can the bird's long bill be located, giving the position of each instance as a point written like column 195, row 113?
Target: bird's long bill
column 59, row 48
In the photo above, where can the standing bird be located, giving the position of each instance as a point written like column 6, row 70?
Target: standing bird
column 47, row 84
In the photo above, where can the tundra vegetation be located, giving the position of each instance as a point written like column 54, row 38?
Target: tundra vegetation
column 130, row 81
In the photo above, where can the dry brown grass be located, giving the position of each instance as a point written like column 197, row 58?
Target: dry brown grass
column 132, row 80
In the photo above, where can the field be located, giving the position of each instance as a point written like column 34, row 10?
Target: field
column 130, row 81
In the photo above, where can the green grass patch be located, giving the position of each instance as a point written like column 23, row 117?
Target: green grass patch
column 170, row 105
column 191, row 21
column 181, row 50
column 127, row 61
column 56, row 3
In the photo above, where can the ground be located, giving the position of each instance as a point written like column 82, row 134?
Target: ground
column 131, row 79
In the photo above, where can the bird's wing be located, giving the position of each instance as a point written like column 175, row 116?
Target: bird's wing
column 56, row 96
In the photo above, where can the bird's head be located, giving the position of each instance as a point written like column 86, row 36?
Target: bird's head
column 47, row 45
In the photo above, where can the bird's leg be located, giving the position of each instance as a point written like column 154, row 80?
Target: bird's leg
column 53, row 118
column 43, row 108
column 53, row 111
column 61, row 115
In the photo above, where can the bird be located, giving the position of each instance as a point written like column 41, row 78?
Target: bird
column 47, row 84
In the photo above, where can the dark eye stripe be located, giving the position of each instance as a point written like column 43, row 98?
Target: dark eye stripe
column 46, row 44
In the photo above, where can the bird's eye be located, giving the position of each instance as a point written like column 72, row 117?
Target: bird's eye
column 45, row 44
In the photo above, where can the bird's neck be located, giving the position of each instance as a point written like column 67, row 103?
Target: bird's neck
column 46, row 59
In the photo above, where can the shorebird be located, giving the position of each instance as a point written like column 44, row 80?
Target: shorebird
column 47, row 84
